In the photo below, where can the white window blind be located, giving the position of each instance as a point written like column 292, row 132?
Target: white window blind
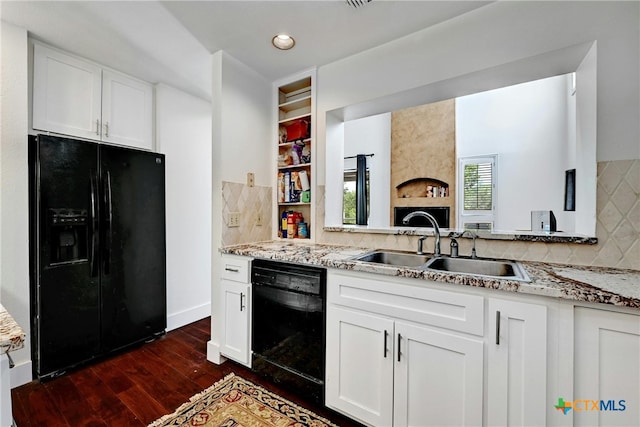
column 478, row 186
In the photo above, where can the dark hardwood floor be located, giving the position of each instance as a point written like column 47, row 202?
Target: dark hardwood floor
column 137, row 387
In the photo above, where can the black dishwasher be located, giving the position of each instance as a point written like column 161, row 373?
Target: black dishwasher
column 288, row 325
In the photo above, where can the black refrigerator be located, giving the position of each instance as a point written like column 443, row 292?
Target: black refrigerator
column 97, row 250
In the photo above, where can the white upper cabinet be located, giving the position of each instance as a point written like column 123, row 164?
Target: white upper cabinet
column 75, row 97
column 127, row 110
column 66, row 94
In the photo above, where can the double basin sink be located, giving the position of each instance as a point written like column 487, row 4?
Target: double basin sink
column 491, row 268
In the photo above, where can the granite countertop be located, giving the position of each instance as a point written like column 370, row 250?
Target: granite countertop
column 618, row 287
column 11, row 335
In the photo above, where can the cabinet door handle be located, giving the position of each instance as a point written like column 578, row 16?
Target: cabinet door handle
column 108, row 205
column 498, row 327
column 98, row 127
column 386, row 335
column 241, row 301
column 94, row 225
column 106, row 129
column 399, row 341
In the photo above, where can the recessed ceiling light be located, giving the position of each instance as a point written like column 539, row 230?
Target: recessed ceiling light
column 283, row 41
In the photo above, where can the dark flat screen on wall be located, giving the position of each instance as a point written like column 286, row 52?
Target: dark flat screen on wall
column 570, row 190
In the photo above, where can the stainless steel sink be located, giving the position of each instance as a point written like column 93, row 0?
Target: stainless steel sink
column 502, row 269
column 396, row 258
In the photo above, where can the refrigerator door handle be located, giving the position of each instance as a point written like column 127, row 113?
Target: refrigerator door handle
column 108, row 223
column 94, row 225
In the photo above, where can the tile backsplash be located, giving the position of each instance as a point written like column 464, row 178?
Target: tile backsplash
column 617, row 228
column 251, row 203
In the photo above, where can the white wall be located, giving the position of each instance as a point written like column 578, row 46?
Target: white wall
column 587, row 105
column 526, row 125
column 243, row 138
column 14, row 204
column 514, row 41
column 246, row 124
column 497, row 34
column 183, row 134
column 371, row 135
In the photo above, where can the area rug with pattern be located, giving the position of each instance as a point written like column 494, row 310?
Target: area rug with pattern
column 236, row 402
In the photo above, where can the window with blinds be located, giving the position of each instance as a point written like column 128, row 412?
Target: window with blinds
column 478, row 186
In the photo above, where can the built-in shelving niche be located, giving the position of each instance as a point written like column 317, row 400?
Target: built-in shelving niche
column 422, row 187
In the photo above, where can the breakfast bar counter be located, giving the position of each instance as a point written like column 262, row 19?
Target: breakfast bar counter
column 11, row 334
column 11, row 338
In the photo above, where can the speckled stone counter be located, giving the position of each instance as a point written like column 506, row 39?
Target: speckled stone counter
column 11, row 338
column 11, row 335
column 524, row 236
column 589, row 284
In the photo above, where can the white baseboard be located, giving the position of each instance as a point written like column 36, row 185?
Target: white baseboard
column 177, row 320
column 213, row 353
column 21, row 374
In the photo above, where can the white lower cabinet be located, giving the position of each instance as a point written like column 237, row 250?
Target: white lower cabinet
column 359, row 378
column 437, row 378
column 385, row 372
column 391, row 366
column 606, row 368
column 402, row 352
column 235, row 337
column 516, row 364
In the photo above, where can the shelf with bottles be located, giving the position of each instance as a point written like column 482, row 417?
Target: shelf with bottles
column 294, row 186
column 293, row 151
column 290, row 143
column 295, row 130
column 293, row 223
column 294, row 154
column 423, row 188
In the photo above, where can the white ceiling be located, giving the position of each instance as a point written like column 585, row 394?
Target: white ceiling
column 172, row 41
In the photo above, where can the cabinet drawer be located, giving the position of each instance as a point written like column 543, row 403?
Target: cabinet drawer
column 451, row 310
column 236, row 268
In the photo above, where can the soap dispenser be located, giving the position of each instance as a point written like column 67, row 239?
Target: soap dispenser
column 454, row 248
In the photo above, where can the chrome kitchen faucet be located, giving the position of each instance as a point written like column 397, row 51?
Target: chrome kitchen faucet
column 436, row 230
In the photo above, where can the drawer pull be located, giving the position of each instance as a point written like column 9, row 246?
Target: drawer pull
column 386, row 335
column 233, row 270
column 498, row 327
